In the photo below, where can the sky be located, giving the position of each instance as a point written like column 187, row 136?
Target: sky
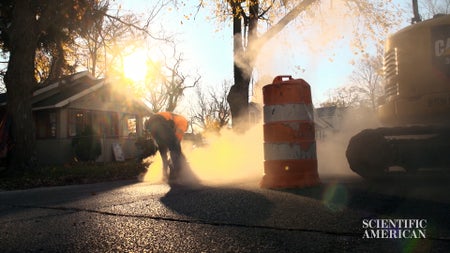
column 207, row 49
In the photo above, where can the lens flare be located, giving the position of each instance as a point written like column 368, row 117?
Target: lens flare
column 335, row 197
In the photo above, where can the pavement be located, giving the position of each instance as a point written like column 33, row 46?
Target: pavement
column 132, row 216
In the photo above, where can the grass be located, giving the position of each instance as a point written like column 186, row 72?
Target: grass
column 78, row 173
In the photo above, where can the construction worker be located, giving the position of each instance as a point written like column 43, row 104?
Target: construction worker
column 167, row 129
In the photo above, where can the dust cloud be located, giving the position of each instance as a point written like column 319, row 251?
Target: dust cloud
column 232, row 158
column 331, row 147
column 225, row 158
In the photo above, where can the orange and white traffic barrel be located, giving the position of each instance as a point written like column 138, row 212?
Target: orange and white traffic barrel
column 290, row 158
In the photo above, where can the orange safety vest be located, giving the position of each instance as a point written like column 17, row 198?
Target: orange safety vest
column 180, row 122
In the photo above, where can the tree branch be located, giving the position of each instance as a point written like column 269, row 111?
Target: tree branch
column 275, row 29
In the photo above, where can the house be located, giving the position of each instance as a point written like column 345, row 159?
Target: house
column 64, row 108
column 328, row 120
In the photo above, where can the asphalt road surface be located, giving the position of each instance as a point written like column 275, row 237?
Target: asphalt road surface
column 129, row 216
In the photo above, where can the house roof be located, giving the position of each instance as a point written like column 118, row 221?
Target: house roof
column 326, row 111
column 329, row 111
column 66, row 90
column 62, row 85
column 323, row 115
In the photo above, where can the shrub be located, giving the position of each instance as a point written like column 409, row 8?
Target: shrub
column 87, row 145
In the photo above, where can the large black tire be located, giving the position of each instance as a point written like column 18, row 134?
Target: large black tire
column 369, row 154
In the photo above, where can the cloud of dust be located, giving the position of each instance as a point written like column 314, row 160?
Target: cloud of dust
column 331, row 148
column 232, row 158
column 226, row 158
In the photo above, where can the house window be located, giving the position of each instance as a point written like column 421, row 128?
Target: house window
column 45, row 124
column 144, row 119
column 77, row 122
column 104, row 123
column 129, row 125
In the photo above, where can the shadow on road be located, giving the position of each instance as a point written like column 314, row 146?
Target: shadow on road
column 13, row 201
column 218, row 204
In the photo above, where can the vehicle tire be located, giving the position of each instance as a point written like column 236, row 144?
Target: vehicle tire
column 368, row 154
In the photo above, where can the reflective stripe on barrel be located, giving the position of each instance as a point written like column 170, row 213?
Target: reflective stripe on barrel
column 285, row 112
column 289, row 151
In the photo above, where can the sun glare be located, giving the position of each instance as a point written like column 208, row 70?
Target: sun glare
column 135, row 66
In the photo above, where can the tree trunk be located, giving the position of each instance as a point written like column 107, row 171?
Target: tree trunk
column 19, row 80
column 238, row 100
column 246, row 51
column 58, row 63
column 239, row 92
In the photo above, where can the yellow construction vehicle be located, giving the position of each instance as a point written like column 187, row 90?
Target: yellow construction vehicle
column 415, row 108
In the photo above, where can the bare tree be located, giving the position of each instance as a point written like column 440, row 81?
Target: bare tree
column 433, row 7
column 364, row 88
column 344, row 96
column 109, row 39
column 212, row 111
column 166, row 83
column 367, row 79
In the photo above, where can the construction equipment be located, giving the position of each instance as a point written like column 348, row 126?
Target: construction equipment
column 415, row 109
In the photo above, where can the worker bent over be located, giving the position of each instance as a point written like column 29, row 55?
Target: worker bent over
column 167, row 129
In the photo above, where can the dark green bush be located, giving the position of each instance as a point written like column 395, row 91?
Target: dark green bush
column 86, row 145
